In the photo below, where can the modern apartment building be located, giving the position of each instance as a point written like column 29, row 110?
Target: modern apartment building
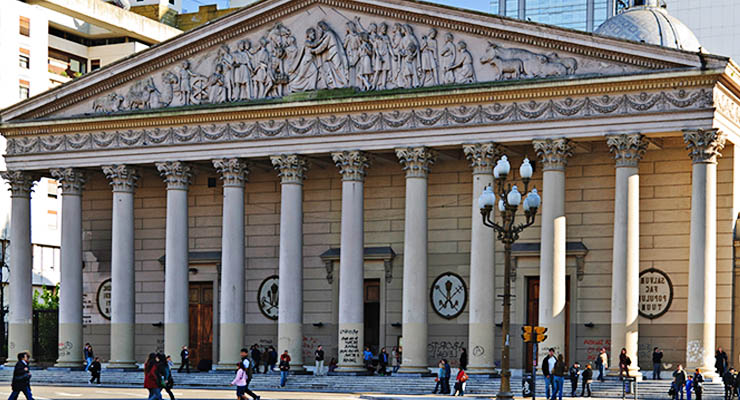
column 44, row 45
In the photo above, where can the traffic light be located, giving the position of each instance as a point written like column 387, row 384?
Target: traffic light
column 527, row 334
column 539, row 333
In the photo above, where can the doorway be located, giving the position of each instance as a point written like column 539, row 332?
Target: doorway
column 533, row 317
column 371, row 297
column 201, row 322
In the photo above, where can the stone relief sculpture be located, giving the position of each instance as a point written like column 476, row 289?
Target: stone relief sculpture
column 367, row 59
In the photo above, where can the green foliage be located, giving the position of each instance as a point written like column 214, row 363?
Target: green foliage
column 46, row 299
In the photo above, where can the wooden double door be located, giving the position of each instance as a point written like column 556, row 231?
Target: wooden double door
column 533, row 317
column 201, row 322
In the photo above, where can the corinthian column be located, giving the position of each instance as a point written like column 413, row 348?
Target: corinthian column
column 234, row 173
column 704, row 147
column 177, row 176
column 352, row 166
column 554, row 154
column 416, row 161
column 627, row 150
column 123, row 180
column 20, row 324
column 481, row 325
column 70, row 296
column 292, row 170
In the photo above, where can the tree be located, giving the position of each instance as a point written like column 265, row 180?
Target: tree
column 46, row 299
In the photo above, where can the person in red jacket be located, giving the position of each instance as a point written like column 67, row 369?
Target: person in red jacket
column 462, row 377
column 151, row 377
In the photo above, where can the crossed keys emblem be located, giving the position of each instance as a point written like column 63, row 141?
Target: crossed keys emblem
column 449, row 295
column 268, row 297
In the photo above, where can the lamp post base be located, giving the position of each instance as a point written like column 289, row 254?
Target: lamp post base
column 504, row 396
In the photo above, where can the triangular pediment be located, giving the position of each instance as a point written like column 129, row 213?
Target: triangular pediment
column 276, row 49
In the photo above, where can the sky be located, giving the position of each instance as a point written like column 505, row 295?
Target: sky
column 477, row 5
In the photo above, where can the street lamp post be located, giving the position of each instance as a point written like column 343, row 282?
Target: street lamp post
column 508, row 233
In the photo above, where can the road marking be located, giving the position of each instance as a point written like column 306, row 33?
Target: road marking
column 108, row 392
column 70, row 394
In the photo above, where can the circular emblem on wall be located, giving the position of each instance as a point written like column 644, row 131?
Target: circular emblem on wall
column 267, row 297
column 449, row 295
column 103, row 298
column 656, row 293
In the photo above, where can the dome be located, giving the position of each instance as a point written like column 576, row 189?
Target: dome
column 650, row 24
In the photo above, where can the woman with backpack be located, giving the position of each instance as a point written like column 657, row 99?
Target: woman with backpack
column 462, row 377
column 151, row 377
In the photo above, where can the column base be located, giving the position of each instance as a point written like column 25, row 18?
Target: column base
column 71, row 365
column 485, row 371
column 351, row 370
column 122, row 366
column 413, row 370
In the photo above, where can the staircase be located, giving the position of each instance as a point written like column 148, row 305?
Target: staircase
column 350, row 384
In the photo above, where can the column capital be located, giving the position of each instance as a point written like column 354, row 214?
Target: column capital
column 122, row 177
column 352, row 164
column 704, row 145
column 291, row 167
column 21, row 183
column 482, row 156
column 176, row 174
column 72, row 180
column 416, row 161
column 628, row 149
column 233, row 171
column 553, row 152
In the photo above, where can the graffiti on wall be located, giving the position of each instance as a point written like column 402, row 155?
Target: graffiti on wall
column 349, row 346
column 591, row 347
column 445, row 349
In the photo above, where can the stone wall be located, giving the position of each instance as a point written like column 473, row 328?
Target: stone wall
column 665, row 185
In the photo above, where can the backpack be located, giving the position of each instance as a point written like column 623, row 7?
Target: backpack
column 248, row 367
column 464, row 377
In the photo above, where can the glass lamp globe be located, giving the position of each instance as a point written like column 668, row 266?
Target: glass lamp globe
column 487, row 198
column 514, row 197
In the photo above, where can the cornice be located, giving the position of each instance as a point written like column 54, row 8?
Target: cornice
column 219, row 35
column 363, row 104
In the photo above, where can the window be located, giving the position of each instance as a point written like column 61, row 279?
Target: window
column 52, row 189
column 52, row 219
column 94, row 64
column 172, row 2
column 24, row 89
column 66, row 64
column 25, row 26
column 24, row 58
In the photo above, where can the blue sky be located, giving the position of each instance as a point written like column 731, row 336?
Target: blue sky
column 478, row 5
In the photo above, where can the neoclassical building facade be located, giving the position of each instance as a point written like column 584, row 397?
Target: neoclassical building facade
column 308, row 172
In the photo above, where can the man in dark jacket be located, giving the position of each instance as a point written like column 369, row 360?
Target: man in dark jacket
column 588, row 376
column 249, row 368
column 446, row 382
column 95, row 370
column 657, row 362
column 548, row 364
column 679, row 382
column 573, row 375
column 184, row 359
column 21, row 378
column 464, row 359
column 729, row 381
column 720, row 361
column 256, row 357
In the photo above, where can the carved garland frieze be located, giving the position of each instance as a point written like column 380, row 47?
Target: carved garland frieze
column 568, row 108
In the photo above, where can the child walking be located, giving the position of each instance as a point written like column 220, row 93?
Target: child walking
column 240, row 381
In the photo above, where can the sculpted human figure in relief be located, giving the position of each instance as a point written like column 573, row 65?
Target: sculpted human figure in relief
column 242, row 70
column 262, row 78
column 383, row 55
column 224, row 57
column 409, row 58
column 463, row 69
column 216, row 85
column 352, row 43
column 428, row 50
column 448, row 55
column 333, row 61
column 304, row 73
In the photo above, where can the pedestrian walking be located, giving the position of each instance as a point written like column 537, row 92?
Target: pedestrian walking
column 95, row 369
column 367, row 358
column 448, row 372
column 256, row 357
column 624, row 363
column 573, row 373
column 382, row 362
column 736, row 385
column 559, row 378
column 728, row 379
column 460, row 382
column 395, row 361
column 319, row 361
column 587, row 376
column 265, row 360
column 21, row 378
column 168, row 382
column 657, row 363
column 273, row 358
column 720, row 361
column 240, row 381
column 689, row 386
column 679, row 382
column 184, row 360
column 602, row 361
column 89, row 355
column 151, row 378
column 698, row 384
column 464, row 359
column 284, row 368
column 249, row 369
column 548, row 366
column 440, row 377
